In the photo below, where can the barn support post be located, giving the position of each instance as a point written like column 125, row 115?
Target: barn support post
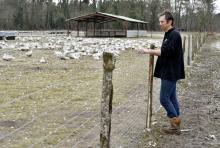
column 138, row 29
column 77, row 28
column 86, row 29
column 94, row 25
column 125, row 27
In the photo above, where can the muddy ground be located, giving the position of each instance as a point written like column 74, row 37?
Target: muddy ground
column 57, row 104
column 199, row 96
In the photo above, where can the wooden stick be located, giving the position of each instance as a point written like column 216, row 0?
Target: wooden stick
column 150, row 89
column 106, row 100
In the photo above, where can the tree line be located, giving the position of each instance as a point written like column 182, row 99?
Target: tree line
column 190, row 15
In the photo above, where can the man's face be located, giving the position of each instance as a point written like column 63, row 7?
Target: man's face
column 164, row 24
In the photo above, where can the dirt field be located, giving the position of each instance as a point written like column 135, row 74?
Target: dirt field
column 57, row 104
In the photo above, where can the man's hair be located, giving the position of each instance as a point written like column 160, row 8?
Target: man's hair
column 168, row 16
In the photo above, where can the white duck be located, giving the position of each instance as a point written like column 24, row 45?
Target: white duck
column 7, row 57
column 72, row 55
column 43, row 60
column 60, row 55
column 29, row 53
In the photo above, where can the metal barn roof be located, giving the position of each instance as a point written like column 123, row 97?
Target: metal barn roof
column 104, row 17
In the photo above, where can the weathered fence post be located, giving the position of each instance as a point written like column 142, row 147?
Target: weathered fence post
column 106, row 100
column 205, row 36
column 193, row 46
column 184, row 44
column 189, row 50
column 198, row 43
column 68, row 28
column 150, row 89
column 200, row 40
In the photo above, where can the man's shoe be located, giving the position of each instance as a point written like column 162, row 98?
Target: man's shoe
column 175, row 127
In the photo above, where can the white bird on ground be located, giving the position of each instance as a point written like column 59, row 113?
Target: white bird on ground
column 4, row 38
column 30, row 38
column 24, row 48
column 97, row 56
column 60, row 55
column 116, row 52
column 59, row 42
column 72, row 55
column 34, row 45
column 3, row 45
column 68, row 48
column 43, row 60
column 29, row 53
column 7, row 57
column 24, row 39
column 212, row 137
column 68, row 38
column 51, row 46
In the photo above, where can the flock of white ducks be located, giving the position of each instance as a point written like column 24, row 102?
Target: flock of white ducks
column 65, row 48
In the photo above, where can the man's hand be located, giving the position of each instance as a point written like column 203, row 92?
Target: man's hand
column 156, row 51
column 143, row 51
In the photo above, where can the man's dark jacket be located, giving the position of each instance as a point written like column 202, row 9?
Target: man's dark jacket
column 170, row 64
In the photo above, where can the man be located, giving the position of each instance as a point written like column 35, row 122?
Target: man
column 169, row 68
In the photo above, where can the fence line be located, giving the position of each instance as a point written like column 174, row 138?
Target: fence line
column 127, row 104
column 36, row 117
column 50, row 86
column 45, row 137
column 192, row 44
column 58, row 84
column 192, row 47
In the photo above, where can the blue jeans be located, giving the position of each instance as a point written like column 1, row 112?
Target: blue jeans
column 168, row 98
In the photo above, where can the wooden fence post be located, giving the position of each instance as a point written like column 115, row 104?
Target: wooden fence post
column 193, row 46
column 200, row 41
column 196, row 43
column 184, row 44
column 106, row 100
column 205, row 35
column 68, row 28
column 150, row 89
column 189, row 50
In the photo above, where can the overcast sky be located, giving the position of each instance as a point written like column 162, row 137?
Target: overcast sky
column 217, row 4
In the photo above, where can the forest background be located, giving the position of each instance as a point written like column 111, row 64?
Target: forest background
column 190, row 15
